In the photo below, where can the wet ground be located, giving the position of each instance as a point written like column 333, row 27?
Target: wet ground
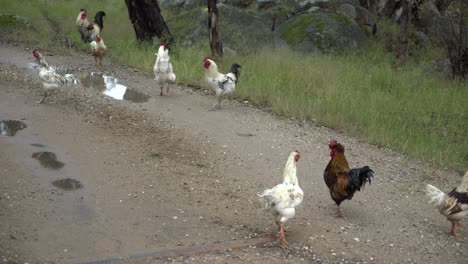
column 164, row 173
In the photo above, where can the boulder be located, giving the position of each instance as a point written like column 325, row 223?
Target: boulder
column 262, row 4
column 237, row 3
column 239, row 30
column 323, row 31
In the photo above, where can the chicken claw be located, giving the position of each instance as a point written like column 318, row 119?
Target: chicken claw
column 283, row 242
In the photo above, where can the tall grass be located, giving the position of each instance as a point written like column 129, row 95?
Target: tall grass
column 406, row 109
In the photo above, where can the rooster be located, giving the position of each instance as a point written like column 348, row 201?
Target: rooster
column 453, row 205
column 41, row 62
column 222, row 84
column 285, row 197
column 163, row 73
column 82, row 23
column 87, row 30
column 49, row 77
column 342, row 181
column 98, row 49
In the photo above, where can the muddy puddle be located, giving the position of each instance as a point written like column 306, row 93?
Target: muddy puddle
column 11, row 127
column 110, row 86
column 48, row 160
column 37, row 145
column 67, row 184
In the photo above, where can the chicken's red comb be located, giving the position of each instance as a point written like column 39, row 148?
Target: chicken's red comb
column 163, row 44
column 35, row 53
column 332, row 143
column 297, row 151
column 83, row 9
column 207, row 58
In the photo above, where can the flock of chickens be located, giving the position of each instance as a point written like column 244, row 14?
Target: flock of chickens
column 282, row 199
column 343, row 182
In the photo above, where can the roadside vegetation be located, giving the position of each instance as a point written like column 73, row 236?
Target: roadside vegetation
column 409, row 109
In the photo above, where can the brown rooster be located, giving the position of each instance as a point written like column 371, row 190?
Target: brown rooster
column 342, row 181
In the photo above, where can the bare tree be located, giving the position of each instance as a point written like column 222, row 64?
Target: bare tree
column 402, row 52
column 147, row 20
column 213, row 26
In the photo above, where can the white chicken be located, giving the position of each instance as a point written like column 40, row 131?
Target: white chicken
column 453, row 205
column 222, row 84
column 163, row 73
column 49, row 77
column 285, row 197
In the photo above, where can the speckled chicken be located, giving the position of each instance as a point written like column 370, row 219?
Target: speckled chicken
column 453, row 205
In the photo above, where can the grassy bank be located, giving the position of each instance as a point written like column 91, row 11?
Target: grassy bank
column 407, row 109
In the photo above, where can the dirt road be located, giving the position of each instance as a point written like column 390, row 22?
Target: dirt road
column 140, row 177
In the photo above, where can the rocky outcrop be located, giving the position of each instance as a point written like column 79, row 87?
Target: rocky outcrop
column 239, row 30
column 323, row 31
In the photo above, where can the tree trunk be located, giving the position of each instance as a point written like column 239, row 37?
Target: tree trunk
column 213, row 27
column 402, row 49
column 147, row 20
column 457, row 46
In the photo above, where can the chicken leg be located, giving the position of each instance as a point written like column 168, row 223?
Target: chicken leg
column 167, row 88
column 454, row 225
column 217, row 105
column 42, row 99
column 281, row 236
column 339, row 212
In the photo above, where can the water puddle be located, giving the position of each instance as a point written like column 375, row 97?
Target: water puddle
column 67, row 184
column 37, row 145
column 111, row 87
column 135, row 96
column 48, row 160
column 245, row 134
column 11, row 127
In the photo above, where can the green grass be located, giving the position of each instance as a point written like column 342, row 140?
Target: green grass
column 404, row 109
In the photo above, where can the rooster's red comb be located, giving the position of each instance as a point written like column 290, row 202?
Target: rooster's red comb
column 297, row 151
column 332, row 143
column 207, row 58
column 83, row 9
column 163, row 44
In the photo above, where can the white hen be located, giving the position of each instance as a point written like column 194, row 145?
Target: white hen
column 222, row 84
column 285, row 197
column 453, row 205
column 163, row 73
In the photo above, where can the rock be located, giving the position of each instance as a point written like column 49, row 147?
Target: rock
column 322, row 31
column 262, row 4
column 237, row 3
column 421, row 39
column 239, row 30
column 348, row 10
column 180, row 4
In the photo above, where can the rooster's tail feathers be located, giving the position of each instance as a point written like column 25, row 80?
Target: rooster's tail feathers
column 267, row 197
column 436, row 197
column 359, row 177
column 98, row 19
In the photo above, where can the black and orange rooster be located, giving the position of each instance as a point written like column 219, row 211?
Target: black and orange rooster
column 342, row 181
